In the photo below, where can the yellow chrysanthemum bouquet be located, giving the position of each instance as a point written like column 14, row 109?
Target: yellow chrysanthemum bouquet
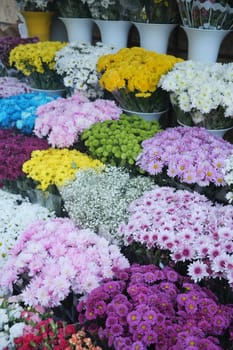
column 55, row 167
column 49, row 169
column 132, row 76
column 37, row 62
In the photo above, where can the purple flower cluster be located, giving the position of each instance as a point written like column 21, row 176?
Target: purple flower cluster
column 191, row 155
column 188, row 226
column 10, row 86
column 145, row 307
column 7, row 43
column 15, row 149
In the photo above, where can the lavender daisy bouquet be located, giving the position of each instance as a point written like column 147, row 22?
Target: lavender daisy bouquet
column 187, row 156
column 187, row 228
column 145, row 307
column 19, row 112
column 62, row 121
column 53, row 259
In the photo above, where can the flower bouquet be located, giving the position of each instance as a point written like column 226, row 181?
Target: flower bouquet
column 37, row 62
column 12, row 323
column 199, row 160
column 7, row 43
column 11, row 86
column 153, row 11
column 118, row 142
column 53, row 258
column 63, row 121
column 186, row 227
column 76, row 63
column 73, row 8
column 195, row 95
column 14, row 220
column 34, row 5
column 46, row 334
column 132, row 76
column 19, row 111
column 107, row 9
column 56, row 166
column 206, row 14
column 15, row 149
column 99, row 200
column 145, row 307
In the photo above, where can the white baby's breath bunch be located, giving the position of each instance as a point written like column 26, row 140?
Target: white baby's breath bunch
column 76, row 63
column 14, row 218
column 100, row 200
column 202, row 87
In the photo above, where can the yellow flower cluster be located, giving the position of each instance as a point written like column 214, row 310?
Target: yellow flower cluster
column 35, row 57
column 57, row 166
column 134, row 69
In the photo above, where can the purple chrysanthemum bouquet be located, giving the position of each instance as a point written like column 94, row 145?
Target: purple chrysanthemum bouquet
column 62, row 121
column 186, row 155
column 145, row 307
column 10, row 86
column 53, row 258
column 187, row 227
column 15, row 149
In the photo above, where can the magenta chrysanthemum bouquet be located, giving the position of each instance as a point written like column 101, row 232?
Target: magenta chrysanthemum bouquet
column 190, row 155
column 15, row 149
column 62, row 121
column 54, row 258
column 188, row 227
column 145, row 307
column 7, row 43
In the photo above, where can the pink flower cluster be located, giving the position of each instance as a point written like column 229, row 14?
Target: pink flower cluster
column 57, row 258
column 10, row 86
column 191, row 154
column 188, row 226
column 63, row 120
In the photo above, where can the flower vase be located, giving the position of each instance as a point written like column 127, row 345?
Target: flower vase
column 147, row 116
column 204, row 44
column 78, row 29
column 38, row 24
column 154, row 36
column 114, row 33
column 52, row 93
column 214, row 132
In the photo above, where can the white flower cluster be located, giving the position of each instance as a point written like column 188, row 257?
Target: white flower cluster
column 203, row 87
column 14, row 219
column 76, row 62
column 11, row 325
column 100, row 200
